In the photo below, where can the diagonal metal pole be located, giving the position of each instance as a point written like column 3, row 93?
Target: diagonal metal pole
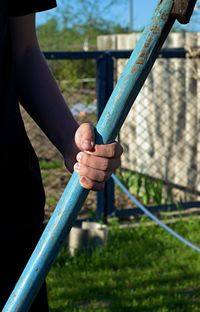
column 107, row 128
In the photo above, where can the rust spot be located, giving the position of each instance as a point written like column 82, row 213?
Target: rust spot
column 163, row 16
column 155, row 19
column 142, row 54
column 155, row 29
column 140, row 61
column 148, row 42
column 135, row 69
column 141, row 57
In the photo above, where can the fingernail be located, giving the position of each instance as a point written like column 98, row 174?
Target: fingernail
column 79, row 156
column 77, row 167
column 84, row 183
column 87, row 145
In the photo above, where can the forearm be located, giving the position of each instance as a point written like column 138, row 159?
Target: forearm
column 42, row 98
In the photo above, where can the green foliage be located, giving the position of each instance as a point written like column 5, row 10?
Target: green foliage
column 51, row 201
column 70, row 30
column 46, row 165
column 92, row 17
column 140, row 269
column 146, row 189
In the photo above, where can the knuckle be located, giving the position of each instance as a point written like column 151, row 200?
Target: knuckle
column 105, row 164
column 84, row 159
column 116, row 150
column 113, row 151
column 83, row 170
column 119, row 149
column 117, row 165
column 102, row 177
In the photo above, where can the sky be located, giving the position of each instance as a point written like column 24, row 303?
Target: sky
column 141, row 13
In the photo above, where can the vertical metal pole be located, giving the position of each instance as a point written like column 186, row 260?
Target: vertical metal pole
column 130, row 15
column 104, row 78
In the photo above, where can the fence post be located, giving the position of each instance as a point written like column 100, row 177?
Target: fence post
column 104, row 88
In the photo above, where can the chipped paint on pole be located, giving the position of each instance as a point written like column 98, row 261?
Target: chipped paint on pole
column 108, row 126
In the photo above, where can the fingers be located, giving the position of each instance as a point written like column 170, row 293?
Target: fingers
column 96, row 167
column 84, row 137
column 93, row 174
column 96, row 162
column 112, row 150
column 91, row 185
column 91, row 178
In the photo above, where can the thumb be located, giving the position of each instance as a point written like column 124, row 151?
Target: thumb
column 84, row 137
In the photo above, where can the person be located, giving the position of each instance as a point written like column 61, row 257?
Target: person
column 25, row 79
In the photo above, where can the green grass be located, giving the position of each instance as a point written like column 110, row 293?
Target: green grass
column 47, row 165
column 140, row 269
column 146, row 189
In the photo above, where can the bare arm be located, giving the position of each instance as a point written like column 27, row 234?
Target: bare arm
column 41, row 97
column 38, row 90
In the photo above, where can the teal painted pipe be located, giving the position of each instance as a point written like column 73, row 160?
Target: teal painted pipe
column 107, row 128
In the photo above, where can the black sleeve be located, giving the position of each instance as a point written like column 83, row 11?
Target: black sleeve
column 21, row 7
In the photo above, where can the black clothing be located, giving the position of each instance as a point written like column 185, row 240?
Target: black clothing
column 22, row 7
column 22, row 194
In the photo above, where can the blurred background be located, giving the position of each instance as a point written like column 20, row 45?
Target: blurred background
column 141, row 268
column 160, row 136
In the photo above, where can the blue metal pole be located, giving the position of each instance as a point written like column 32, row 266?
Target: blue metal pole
column 108, row 126
column 105, row 82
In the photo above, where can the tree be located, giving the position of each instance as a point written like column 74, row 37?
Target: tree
column 71, row 29
column 90, row 18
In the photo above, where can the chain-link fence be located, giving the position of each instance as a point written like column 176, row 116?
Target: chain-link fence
column 160, row 136
column 161, row 133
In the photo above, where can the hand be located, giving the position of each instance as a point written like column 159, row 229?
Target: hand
column 95, row 163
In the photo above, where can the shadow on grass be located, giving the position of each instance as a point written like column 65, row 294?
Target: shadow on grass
column 158, row 294
column 140, row 270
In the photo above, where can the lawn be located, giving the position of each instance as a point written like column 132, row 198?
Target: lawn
column 140, row 269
